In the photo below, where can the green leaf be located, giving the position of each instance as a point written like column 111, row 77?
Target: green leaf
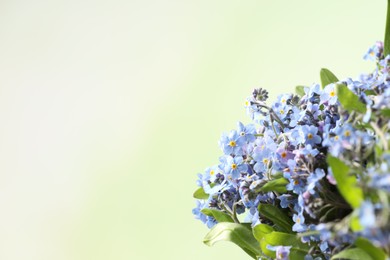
column 355, row 222
column 277, row 175
column 297, row 253
column 375, row 252
column 370, row 92
column 283, row 239
column 239, row 234
column 378, row 150
column 353, row 254
column 217, row 214
column 278, row 185
column 267, row 236
column 346, row 183
column 349, row 100
column 259, row 231
column 278, row 217
column 298, row 250
column 201, row 194
column 300, row 90
column 327, row 77
column 385, row 112
column 387, row 32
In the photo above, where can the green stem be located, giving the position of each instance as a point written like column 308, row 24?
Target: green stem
column 235, row 213
column 387, row 32
column 232, row 213
column 381, row 135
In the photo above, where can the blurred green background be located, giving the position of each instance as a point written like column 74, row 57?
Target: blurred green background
column 109, row 109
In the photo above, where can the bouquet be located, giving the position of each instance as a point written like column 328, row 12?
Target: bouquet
column 310, row 177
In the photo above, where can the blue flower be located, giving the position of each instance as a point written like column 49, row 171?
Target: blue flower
column 233, row 167
column 374, row 52
column 329, row 136
column 325, row 233
column 295, row 116
column 310, row 135
column 313, row 180
column 211, row 173
column 371, row 54
column 212, row 180
column 296, row 136
column 286, row 200
column 281, row 109
column 380, row 180
column 253, row 110
column 200, row 180
column 247, row 191
column 197, row 211
column 247, row 133
column 253, row 216
column 305, row 134
column 282, row 252
column 299, row 225
column 345, row 132
column 282, row 99
column 330, row 177
column 313, row 110
column 324, row 246
column 209, row 221
column 312, row 237
column 313, row 91
column 292, row 167
column 297, row 185
column 263, row 158
column 283, row 154
column 328, row 95
column 307, row 151
column 232, row 144
column 367, row 215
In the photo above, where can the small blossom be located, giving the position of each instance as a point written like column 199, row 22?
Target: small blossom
column 367, row 215
column 282, row 252
column 232, row 144
column 329, row 95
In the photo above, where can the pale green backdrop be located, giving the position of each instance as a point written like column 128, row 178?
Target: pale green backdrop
column 109, row 109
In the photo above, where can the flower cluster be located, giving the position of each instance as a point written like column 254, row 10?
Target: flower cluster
column 314, row 165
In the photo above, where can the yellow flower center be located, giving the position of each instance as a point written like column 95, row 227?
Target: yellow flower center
column 310, row 136
column 212, row 172
column 336, row 138
column 247, row 103
column 232, row 143
column 282, row 112
column 265, row 161
column 284, row 155
column 234, row 166
column 332, row 93
column 347, row 133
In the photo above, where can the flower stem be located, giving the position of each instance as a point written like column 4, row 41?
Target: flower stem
column 387, row 32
